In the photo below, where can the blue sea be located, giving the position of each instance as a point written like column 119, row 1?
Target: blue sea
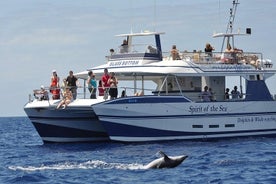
column 25, row 159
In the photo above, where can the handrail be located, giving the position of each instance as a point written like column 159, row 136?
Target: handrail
column 194, row 96
column 246, row 58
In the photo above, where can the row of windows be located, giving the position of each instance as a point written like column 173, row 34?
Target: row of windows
column 215, row 126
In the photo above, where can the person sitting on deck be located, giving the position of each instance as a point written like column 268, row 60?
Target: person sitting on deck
column 41, row 94
column 67, row 98
column 152, row 50
column 231, row 55
column 175, row 53
column 139, row 93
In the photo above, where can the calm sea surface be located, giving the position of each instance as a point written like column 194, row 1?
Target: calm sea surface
column 25, row 159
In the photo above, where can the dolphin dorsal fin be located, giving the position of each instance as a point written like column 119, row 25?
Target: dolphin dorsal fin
column 163, row 155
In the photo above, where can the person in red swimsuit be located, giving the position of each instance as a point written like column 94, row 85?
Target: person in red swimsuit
column 105, row 83
column 105, row 78
column 54, row 87
column 100, row 88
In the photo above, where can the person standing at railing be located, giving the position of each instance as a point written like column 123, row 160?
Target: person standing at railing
column 212, row 93
column 72, row 84
column 105, row 83
column 113, row 91
column 92, row 84
column 111, row 52
column 226, row 95
column 206, row 95
column 54, row 87
column 100, row 88
column 209, row 49
column 124, row 47
column 235, row 93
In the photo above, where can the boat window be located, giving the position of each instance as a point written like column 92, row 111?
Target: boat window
column 229, row 125
column 213, row 126
column 197, row 126
column 139, row 44
column 251, row 77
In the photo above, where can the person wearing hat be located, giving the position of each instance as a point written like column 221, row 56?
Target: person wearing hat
column 54, row 87
column 92, row 84
column 41, row 94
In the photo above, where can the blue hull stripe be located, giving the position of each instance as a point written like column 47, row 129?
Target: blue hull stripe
column 190, row 116
column 57, row 131
column 148, row 99
column 114, row 129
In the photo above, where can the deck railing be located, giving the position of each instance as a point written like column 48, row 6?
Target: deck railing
column 129, row 91
column 199, row 57
column 252, row 58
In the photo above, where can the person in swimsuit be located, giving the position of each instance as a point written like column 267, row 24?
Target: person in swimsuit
column 54, row 87
column 67, row 98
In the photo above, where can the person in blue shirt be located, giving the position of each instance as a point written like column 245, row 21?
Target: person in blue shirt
column 92, row 84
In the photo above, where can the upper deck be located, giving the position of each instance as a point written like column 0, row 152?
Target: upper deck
column 141, row 55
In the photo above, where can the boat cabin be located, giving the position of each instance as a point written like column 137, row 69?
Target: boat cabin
column 133, row 47
column 141, row 61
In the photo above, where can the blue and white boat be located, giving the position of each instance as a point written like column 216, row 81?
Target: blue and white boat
column 76, row 123
column 175, row 110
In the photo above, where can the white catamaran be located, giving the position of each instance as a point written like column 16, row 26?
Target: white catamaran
column 177, row 108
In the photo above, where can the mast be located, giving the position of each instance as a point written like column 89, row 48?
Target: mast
column 232, row 16
column 230, row 24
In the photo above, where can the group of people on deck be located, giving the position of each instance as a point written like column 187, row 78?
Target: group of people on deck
column 235, row 94
column 230, row 55
column 106, row 86
column 176, row 56
column 207, row 95
column 70, row 85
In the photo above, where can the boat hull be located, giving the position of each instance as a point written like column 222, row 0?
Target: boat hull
column 73, row 124
column 142, row 121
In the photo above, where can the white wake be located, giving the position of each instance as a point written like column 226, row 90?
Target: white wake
column 93, row 164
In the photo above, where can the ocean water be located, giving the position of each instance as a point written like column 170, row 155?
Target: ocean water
column 25, row 159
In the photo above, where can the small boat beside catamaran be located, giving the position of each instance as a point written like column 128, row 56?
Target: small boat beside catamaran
column 175, row 109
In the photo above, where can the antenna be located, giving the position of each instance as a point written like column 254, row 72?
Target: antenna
column 232, row 16
column 154, row 21
column 230, row 24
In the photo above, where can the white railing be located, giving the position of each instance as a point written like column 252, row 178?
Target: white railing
column 252, row 58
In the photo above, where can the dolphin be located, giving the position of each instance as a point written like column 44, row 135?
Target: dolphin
column 166, row 161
